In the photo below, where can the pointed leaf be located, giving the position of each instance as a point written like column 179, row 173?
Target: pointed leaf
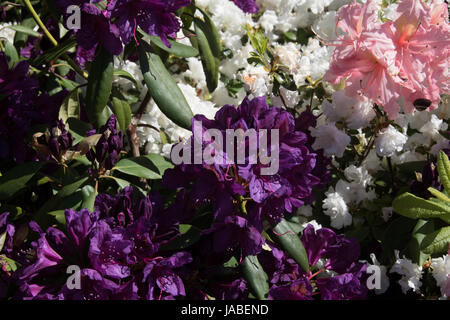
column 256, row 276
column 413, row 207
column 443, row 166
column 140, row 167
column 209, row 61
column 164, row 89
column 291, row 243
column 122, row 111
column 436, row 242
column 99, row 87
column 17, row 178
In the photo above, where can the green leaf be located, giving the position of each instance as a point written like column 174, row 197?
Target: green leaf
column 188, row 236
column 176, row 48
column 140, row 167
column 411, row 206
column 59, row 216
column 436, row 242
column 422, row 228
column 89, row 195
column 164, row 89
column 256, row 276
column 126, row 75
column 55, row 52
column 70, row 107
column 122, row 111
column 291, row 243
column 99, row 87
column 160, row 162
column 211, row 33
column 25, row 30
column 11, row 53
column 443, row 166
column 16, row 179
column 210, row 62
column 441, row 196
column 71, row 188
column 78, row 129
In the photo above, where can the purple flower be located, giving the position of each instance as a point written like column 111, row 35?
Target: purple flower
column 21, row 107
column 7, row 231
column 56, row 141
column 160, row 276
column 108, row 146
column 346, row 286
column 236, row 232
column 155, row 17
column 96, row 28
column 300, row 289
column 222, row 183
column 248, row 6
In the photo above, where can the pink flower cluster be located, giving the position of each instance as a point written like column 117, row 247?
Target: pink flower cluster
column 402, row 61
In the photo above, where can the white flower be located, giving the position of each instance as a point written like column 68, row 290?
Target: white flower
column 389, row 141
column 384, row 279
column 354, row 192
column 359, row 175
column 411, row 274
column 431, row 128
column 329, row 138
column 355, row 112
column 335, row 207
column 441, row 272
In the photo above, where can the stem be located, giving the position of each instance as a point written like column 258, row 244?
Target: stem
column 53, row 40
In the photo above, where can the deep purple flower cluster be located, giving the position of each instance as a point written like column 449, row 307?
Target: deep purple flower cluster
column 248, row 6
column 119, row 21
column 116, row 247
column 106, row 151
column 21, row 107
column 336, row 275
column 224, row 184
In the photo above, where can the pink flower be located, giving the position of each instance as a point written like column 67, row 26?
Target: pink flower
column 405, row 58
column 422, row 53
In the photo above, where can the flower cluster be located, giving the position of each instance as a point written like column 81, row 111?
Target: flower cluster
column 107, row 146
column 403, row 57
column 270, row 195
column 117, row 251
column 335, row 272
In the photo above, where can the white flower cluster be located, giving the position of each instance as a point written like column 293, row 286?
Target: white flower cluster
column 347, row 194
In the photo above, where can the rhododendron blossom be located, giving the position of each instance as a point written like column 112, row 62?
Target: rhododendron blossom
column 394, row 63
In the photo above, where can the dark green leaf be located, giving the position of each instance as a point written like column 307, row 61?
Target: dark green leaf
column 436, row 242
column 70, row 107
column 291, row 243
column 177, row 49
column 55, row 52
column 140, row 167
column 99, row 87
column 88, row 193
column 164, row 89
column 25, row 30
column 210, row 62
column 17, row 178
column 256, row 276
column 122, row 111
